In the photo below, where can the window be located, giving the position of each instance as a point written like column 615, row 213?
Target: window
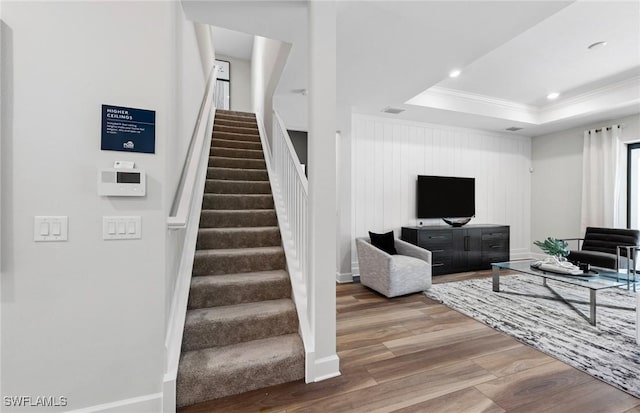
column 223, row 85
column 633, row 186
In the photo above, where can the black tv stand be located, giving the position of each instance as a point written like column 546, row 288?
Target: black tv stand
column 459, row 249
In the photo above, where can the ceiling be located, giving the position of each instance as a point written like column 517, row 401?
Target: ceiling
column 232, row 43
column 511, row 54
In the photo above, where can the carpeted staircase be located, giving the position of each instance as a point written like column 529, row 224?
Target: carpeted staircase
column 241, row 329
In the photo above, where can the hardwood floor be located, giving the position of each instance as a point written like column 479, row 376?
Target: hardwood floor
column 410, row 354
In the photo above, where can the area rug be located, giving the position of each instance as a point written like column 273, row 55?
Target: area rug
column 529, row 312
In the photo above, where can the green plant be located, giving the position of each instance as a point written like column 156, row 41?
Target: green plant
column 553, row 246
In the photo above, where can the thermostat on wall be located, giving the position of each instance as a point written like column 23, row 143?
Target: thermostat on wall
column 121, row 182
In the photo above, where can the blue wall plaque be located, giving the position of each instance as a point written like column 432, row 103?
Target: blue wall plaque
column 128, row 129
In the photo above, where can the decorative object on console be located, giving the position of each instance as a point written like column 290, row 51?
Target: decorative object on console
column 384, row 241
column 457, row 222
column 558, row 265
column 407, row 272
column 554, row 247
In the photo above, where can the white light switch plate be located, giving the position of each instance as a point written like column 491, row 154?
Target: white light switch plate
column 118, row 227
column 50, row 229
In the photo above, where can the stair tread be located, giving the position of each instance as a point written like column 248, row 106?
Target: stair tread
column 235, row 134
column 221, row 371
column 258, row 151
column 229, row 313
column 228, row 358
column 237, row 211
column 245, row 163
column 223, row 141
column 237, row 174
column 237, row 129
column 218, row 358
column 240, row 229
column 235, row 169
column 238, row 195
column 236, row 181
column 240, row 251
column 234, row 122
column 240, row 278
column 227, row 157
column 235, row 112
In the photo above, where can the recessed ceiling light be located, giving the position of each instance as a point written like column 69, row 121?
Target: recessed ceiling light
column 553, row 95
column 597, row 45
column 454, row 73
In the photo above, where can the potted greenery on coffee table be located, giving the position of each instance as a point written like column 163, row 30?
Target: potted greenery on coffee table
column 554, row 247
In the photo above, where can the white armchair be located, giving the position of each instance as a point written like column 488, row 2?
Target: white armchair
column 393, row 275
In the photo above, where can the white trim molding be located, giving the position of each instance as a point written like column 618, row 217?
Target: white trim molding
column 322, row 369
column 150, row 403
column 344, row 277
column 624, row 93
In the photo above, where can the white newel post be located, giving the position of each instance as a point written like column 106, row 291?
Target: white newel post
column 322, row 187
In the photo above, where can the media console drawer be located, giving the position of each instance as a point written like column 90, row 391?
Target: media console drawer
column 459, row 249
column 435, row 238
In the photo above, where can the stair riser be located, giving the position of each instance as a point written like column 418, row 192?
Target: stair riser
column 235, row 136
column 194, row 388
column 231, row 264
column 208, row 240
column 237, row 187
column 214, row 333
column 225, row 143
column 229, row 294
column 228, row 114
column 236, row 174
column 238, row 122
column 235, row 129
column 236, row 153
column 237, row 163
column 236, row 219
column 228, row 202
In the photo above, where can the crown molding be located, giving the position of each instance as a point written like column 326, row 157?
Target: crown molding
column 619, row 93
column 595, row 93
column 482, row 99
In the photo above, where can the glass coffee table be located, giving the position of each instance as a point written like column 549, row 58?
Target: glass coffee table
column 593, row 282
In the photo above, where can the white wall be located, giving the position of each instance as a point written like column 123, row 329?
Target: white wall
column 293, row 109
column 85, row 318
column 240, row 83
column 556, row 183
column 267, row 61
column 388, row 154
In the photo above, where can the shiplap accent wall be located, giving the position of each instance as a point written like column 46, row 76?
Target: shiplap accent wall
column 389, row 154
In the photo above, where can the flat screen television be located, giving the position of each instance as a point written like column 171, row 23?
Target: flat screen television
column 446, row 197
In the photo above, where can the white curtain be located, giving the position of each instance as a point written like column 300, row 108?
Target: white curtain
column 601, row 178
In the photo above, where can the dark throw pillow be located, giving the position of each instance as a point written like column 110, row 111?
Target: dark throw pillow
column 384, row 241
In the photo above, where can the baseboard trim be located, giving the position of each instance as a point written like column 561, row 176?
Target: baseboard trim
column 522, row 255
column 150, row 403
column 344, row 277
column 355, row 269
column 327, row 368
column 537, row 256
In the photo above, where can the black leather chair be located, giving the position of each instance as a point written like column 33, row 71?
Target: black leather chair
column 603, row 247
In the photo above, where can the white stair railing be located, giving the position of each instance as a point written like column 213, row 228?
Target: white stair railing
column 183, row 222
column 290, row 194
column 192, row 165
